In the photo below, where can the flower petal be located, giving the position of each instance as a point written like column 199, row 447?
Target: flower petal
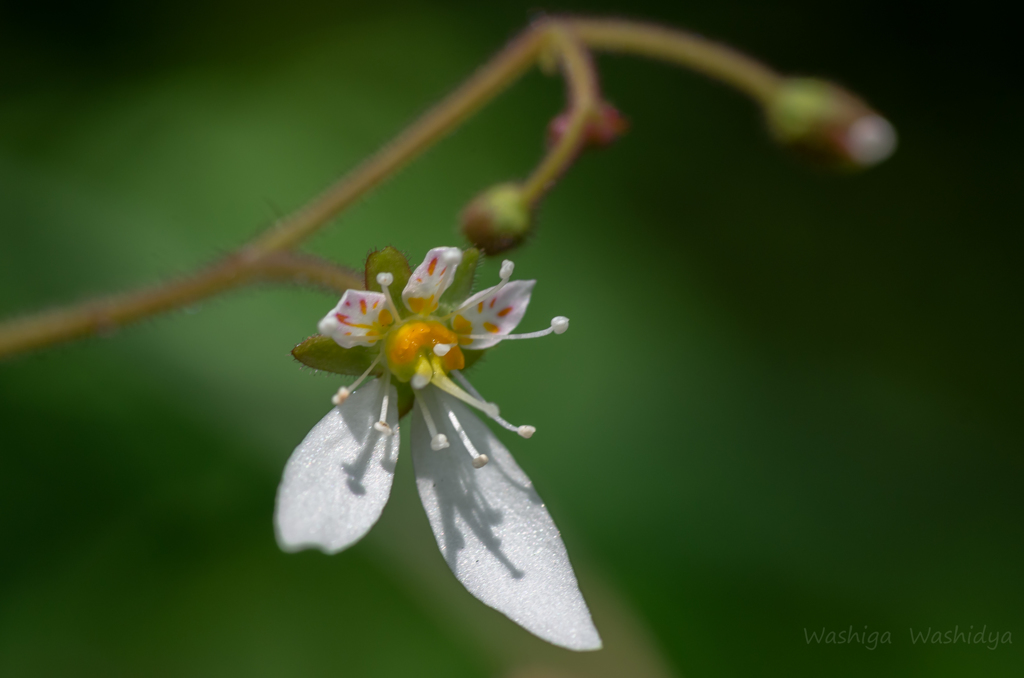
column 494, row 531
column 430, row 279
column 489, row 313
column 338, row 479
column 359, row 319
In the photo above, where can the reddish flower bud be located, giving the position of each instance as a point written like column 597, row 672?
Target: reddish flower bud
column 604, row 127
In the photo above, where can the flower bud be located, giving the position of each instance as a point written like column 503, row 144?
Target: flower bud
column 498, row 219
column 829, row 125
column 604, row 127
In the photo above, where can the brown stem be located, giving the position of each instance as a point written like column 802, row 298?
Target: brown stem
column 261, row 258
column 493, row 77
column 584, row 95
column 106, row 314
column 682, row 48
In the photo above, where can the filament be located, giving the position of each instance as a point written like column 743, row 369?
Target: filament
column 525, row 430
column 505, row 274
column 559, row 324
column 385, row 280
column 382, row 424
column 479, row 460
column 448, row 386
column 345, row 391
column 438, row 441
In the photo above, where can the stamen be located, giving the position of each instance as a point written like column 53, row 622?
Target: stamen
column 525, row 430
column 479, row 460
column 345, row 391
column 448, row 386
column 438, row 441
column 384, row 280
column 423, row 373
column 505, row 274
column 382, row 424
column 442, row 349
column 559, row 324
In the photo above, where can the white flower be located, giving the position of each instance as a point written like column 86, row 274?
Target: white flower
column 490, row 525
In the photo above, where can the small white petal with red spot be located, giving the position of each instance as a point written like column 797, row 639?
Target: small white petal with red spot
column 430, row 279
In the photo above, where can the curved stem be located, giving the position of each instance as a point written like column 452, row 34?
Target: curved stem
column 307, row 270
column 682, row 48
column 493, row 77
column 581, row 79
column 265, row 258
column 104, row 315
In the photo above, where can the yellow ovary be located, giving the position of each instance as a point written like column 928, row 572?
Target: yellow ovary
column 415, row 340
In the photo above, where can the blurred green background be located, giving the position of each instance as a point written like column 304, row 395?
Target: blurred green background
column 789, row 399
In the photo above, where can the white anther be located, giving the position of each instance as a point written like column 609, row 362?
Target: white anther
column 382, row 424
column 345, row 391
column 870, row 140
column 384, row 280
column 438, row 441
column 505, row 273
column 525, row 430
column 559, row 324
column 479, row 460
column 442, row 349
column 423, row 375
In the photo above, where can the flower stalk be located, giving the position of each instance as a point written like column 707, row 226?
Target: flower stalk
column 584, row 97
column 566, row 39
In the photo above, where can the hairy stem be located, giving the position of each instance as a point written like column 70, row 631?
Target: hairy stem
column 106, row 314
column 266, row 257
column 493, row 77
column 682, row 48
column 581, row 81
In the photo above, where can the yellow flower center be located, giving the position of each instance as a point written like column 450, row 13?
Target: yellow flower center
column 409, row 349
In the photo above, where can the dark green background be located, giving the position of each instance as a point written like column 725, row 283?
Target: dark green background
column 788, row 400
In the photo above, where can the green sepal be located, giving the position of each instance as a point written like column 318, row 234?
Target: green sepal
column 389, row 260
column 323, row 353
column 472, row 357
column 462, row 283
column 406, row 397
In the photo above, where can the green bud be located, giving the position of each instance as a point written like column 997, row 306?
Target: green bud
column 829, row 124
column 498, row 219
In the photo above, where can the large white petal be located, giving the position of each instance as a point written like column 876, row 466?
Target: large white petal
column 338, row 479
column 494, row 531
